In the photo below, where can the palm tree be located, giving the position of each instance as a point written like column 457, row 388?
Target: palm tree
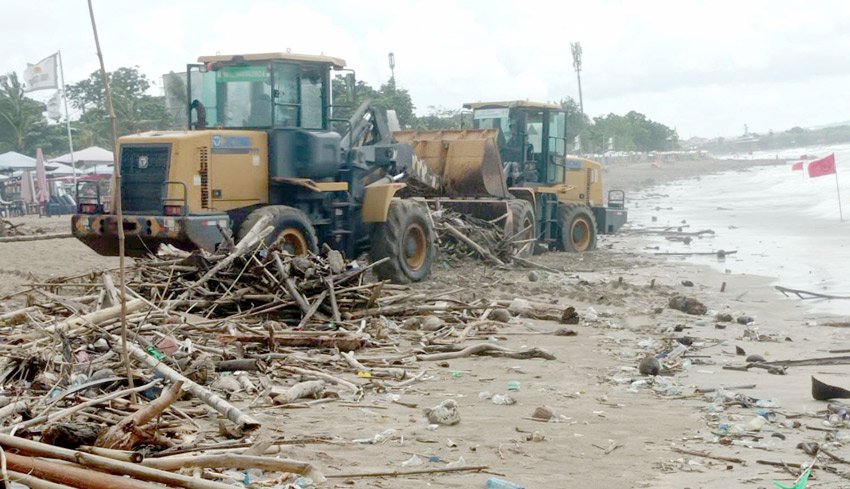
column 18, row 113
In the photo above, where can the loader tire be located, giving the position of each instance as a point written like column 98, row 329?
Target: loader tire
column 522, row 214
column 407, row 239
column 293, row 231
column 578, row 228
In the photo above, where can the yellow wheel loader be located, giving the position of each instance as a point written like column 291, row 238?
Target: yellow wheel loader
column 513, row 163
column 260, row 144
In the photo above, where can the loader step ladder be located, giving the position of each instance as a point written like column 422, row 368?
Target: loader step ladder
column 550, row 221
column 341, row 226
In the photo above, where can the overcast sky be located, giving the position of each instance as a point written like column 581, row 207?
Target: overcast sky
column 705, row 67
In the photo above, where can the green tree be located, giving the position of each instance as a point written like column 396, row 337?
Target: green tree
column 20, row 116
column 577, row 123
column 388, row 97
column 135, row 109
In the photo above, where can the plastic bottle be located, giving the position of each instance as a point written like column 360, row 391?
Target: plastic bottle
column 496, row 483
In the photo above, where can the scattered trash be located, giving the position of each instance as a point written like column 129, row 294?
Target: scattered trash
column 413, row 461
column 543, row 413
column 503, row 399
column 496, row 483
column 445, row 413
column 825, row 392
column 688, row 305
column 649, row 366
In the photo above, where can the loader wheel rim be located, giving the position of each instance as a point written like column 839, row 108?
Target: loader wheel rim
column 293, row 241
column 581, row 234
column 415, row 246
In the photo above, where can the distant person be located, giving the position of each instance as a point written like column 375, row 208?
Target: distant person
column 201, row 111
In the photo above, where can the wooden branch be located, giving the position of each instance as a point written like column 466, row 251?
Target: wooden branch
column 129, row 432
column 488, row 349
column 71, row 410
column 809, row 362
column 321, row 375
column 35, row 237
column 233, row 461
column 472, row 244
column 311, row 388
column 397, row 473
column 708, row 455
column 805, row 294
column 245, row 422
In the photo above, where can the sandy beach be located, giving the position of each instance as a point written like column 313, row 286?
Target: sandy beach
column 613, row 427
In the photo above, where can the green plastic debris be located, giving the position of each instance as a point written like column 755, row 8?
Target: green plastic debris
column 800, row 483
column 155, row 353
column 456, row 374
column 513, row 385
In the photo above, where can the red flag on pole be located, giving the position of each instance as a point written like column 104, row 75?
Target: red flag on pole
column 797, row 166
column 823, row 166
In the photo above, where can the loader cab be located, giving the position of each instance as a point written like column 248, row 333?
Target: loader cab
column 261, row 91
column 532, row 140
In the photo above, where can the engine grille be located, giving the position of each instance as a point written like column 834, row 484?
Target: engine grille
column 144, row 170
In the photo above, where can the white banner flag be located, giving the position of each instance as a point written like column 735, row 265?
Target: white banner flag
column 53, row 109
column 43, row 75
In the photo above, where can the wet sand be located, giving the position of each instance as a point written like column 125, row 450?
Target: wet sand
column 600, row 399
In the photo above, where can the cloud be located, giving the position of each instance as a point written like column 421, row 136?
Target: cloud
column 706, row 67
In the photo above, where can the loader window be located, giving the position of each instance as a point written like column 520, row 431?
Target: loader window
column 312, row 83
column 534, row 129
column 557, row 133
column 285, row 95
column 242, row 96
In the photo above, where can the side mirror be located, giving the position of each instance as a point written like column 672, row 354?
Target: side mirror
column 350, row 87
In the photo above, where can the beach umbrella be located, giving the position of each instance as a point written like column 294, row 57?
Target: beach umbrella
column 43, row 195
column 27, row 190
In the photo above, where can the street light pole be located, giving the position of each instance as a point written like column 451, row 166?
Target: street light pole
column 576, row 49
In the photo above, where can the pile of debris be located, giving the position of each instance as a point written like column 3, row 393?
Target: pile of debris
column 212, row 345
column 461, row 237
column 9, row 229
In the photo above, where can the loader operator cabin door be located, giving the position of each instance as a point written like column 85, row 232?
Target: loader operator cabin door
column 299, row 96
column 231, row 160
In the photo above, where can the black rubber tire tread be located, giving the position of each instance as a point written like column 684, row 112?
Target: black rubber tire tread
column 386, row 242
column 282, row 216
column 521, row 209
column 567, row 214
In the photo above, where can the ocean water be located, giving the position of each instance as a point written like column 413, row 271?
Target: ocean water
column 782, row 224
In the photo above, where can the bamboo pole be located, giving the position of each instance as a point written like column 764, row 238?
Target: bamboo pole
column 230, row 460
column 35, row 237
column 70, row 475
column 98, row 316
column 246, row 422
column 34, row 482
column 116, row 201
column 136, row 471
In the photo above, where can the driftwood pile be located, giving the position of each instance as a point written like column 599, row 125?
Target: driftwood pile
column 217, row 344
column 462, row 237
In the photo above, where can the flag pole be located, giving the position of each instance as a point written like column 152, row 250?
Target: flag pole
column 68, row 123
column 838, row 190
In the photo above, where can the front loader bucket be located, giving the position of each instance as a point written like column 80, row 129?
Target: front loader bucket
column 467, row 161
